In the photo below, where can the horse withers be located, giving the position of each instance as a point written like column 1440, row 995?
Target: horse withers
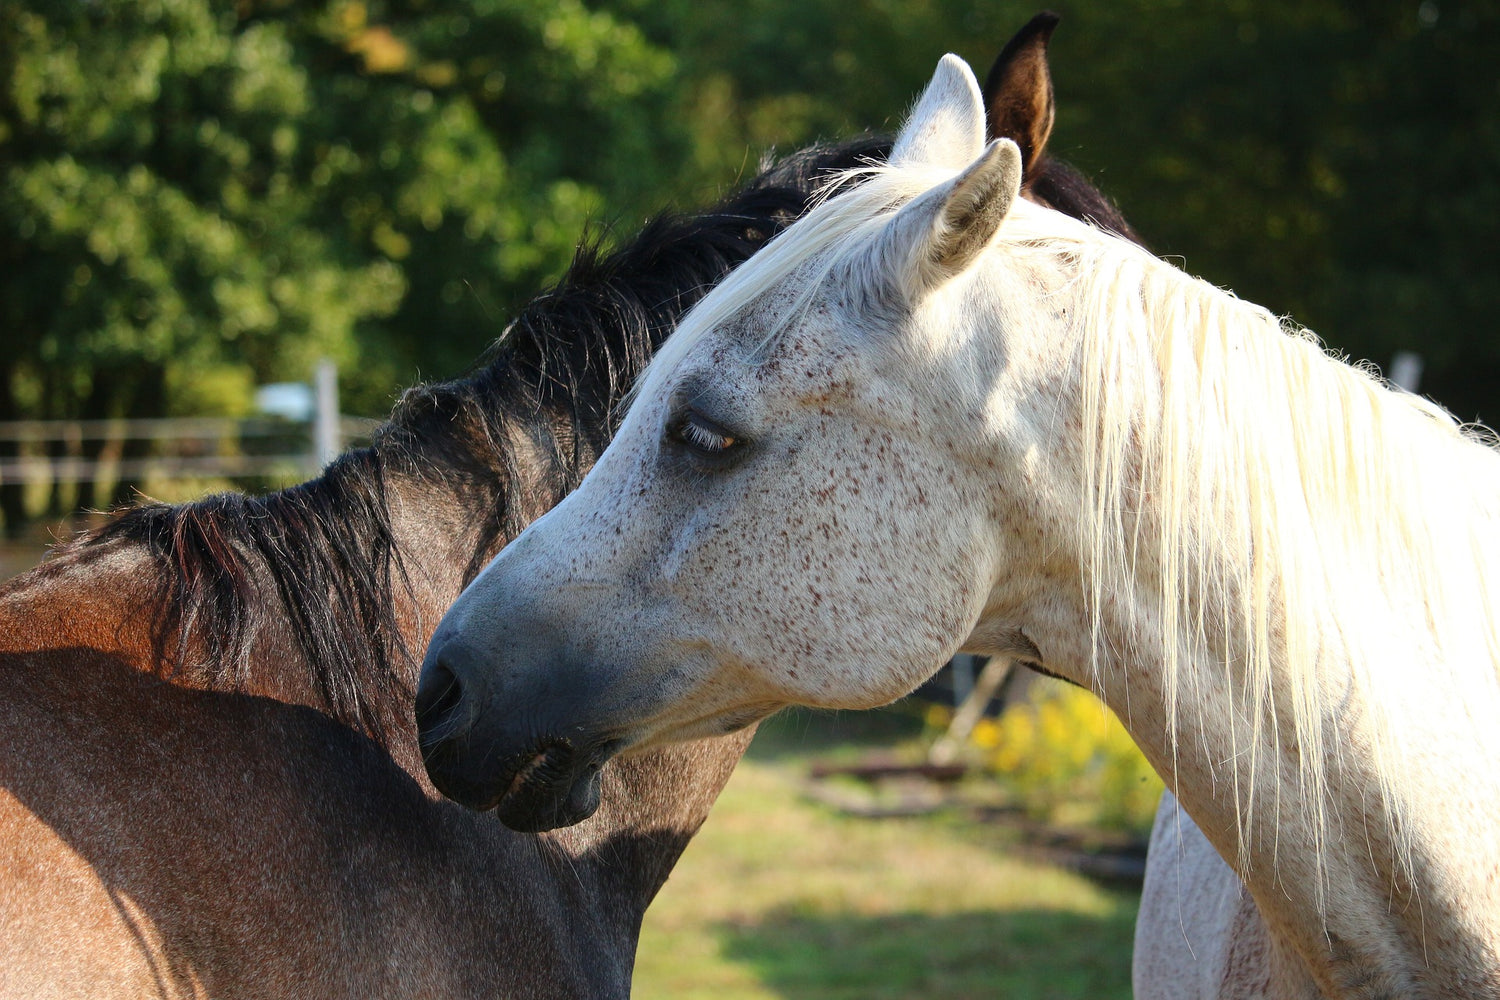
column 936, row 417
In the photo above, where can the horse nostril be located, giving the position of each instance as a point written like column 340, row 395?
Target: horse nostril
column 439, row 697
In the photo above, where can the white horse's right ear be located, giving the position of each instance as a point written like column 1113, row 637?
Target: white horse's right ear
column 945, row 230
column 946, row 128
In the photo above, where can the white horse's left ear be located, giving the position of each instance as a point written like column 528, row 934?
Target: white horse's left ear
column 946, row 128
column 937, row 236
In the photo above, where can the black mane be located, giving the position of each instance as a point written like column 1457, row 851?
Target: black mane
column 555, row 377
column 1059, row 186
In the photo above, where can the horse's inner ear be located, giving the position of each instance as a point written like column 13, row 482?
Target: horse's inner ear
column 945, row 230
column 1017, row 93
column 946, row 129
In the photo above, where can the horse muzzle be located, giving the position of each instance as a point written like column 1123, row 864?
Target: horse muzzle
column 503, row 757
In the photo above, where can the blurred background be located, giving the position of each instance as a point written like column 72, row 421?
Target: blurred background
column 204, row 204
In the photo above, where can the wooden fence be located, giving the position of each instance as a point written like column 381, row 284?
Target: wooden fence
column 309, row 433
column 55, row 451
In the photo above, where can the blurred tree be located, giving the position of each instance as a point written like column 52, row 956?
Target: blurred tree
column 489, row 134
column 194, row 191
column 155, row 210
column 190, row 187
column 1336, row 161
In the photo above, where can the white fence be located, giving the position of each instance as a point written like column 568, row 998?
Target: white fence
column 301, row 443
column 181, row 448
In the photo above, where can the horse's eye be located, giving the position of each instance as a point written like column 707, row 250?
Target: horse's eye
column 702, row 435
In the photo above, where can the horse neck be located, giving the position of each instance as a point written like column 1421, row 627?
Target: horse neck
column 1301, row 694
column 1351, row 889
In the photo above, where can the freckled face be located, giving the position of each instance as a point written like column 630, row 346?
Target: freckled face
column 788, row 524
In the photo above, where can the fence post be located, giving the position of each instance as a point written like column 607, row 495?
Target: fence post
column 1406, row 370
column 326, row 439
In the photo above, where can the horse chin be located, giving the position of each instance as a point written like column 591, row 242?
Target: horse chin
column 551, row 790
column 537, row 810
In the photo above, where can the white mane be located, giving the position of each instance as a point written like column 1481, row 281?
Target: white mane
column 1278, row 509
column 1288, row 511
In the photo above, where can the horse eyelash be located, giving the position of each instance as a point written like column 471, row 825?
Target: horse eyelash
column 701, row 434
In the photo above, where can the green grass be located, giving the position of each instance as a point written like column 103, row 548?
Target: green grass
column 781, row 897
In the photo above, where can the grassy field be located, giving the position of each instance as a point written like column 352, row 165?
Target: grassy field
column 780, row 897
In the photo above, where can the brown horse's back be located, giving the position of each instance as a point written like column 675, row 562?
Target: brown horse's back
column 137, row 859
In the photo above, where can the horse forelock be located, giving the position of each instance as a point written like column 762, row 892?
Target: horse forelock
column 851, row 208
column 835, row 238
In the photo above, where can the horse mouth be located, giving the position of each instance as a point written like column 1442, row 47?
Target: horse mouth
column 557, row 786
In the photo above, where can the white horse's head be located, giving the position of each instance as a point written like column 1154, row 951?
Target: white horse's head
column 801, row 506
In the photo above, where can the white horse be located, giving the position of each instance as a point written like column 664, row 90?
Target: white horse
column 932, row 417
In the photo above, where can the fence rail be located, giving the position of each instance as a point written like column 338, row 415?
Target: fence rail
column 203, row 446
column 167, row 428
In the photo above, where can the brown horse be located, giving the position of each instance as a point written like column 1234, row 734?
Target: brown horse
column 209, row 775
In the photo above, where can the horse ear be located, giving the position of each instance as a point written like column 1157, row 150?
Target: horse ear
column 1017, row 93
column 945, row 230
column 946, row 128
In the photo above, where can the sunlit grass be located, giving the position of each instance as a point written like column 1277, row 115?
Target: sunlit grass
column 781, row 897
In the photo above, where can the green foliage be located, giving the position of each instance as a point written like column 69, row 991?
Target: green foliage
column 267, row 184
column 154, row 205
column 187, row 184
column 1331, row 160
column 220, row 390
column 468, row 146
